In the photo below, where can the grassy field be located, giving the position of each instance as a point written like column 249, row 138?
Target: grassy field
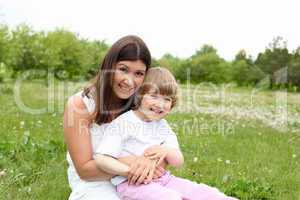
column 244, row 141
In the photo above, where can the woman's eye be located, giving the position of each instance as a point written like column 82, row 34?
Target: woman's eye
column 139, row 74
column 123, row 69
column 168, row 99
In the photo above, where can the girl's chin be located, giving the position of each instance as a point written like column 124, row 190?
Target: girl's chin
column 151, row 116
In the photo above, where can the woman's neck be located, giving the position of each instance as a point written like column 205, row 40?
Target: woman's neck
column 117, row 102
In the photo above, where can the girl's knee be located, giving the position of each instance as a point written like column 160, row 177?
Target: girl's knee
column 163, row 195
column 173, row 195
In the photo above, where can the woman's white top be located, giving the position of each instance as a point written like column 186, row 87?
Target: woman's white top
column 90, row 190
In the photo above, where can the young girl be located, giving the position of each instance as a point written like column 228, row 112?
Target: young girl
column 136, row 130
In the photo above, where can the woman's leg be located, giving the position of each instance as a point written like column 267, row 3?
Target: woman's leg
column 103, row 191
column 151, row 191
column 193, row 191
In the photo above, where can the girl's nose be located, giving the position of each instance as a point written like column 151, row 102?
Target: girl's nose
column 160, row 103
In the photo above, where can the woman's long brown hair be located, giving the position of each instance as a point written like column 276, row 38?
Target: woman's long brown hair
column 130, row 48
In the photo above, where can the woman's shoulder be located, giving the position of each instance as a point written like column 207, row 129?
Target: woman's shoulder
column 81, row 102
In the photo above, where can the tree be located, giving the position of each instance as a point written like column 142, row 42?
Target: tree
column 4, row 49
column 65, row 54
column 244, row 71
column 4, row 43
column 294, row 69
column 174, row 64
column 274, row 58
column 94, row 54
column 27, row 49
column 205, row 49
column 206, row 65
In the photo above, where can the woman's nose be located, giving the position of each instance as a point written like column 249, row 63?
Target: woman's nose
column 129, row 80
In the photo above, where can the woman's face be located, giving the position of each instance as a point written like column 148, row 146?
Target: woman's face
column 129, row 75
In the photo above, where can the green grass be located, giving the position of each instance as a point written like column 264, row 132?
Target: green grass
column 242, row 155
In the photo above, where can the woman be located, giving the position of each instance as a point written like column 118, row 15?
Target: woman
column 109, row 95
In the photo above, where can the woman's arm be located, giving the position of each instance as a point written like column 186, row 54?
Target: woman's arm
column 114, row 166
column 111, row 165
column 77, row 122
column 142, row 169
column 134, row 161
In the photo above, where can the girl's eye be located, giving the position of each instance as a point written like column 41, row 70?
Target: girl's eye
column 168, row 99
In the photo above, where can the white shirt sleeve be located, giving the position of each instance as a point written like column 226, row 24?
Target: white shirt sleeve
column 170, row 137
column 113, row 139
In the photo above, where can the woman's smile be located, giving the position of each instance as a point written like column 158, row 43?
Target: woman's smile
column 125, row 88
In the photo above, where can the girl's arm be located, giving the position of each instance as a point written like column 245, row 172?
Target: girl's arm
column 168, row 150
column 174, row 157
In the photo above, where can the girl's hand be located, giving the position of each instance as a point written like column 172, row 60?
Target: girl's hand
column 141, row 170
column 156, row 152
column 158, row 172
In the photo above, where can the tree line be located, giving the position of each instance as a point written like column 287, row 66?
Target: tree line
column 71, row 57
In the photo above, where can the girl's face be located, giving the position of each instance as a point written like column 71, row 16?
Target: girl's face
column 128, row 76
column 155, row 106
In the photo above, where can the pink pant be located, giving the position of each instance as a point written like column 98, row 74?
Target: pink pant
column 171, row 188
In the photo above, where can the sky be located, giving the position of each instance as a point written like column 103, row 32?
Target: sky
column 179, row 27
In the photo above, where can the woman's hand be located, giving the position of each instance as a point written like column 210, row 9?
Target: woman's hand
column 156, row 152
column 141, row 170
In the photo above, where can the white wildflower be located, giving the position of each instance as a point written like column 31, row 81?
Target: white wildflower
column 195, row 159
column 2, row 173
column 27, row 133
